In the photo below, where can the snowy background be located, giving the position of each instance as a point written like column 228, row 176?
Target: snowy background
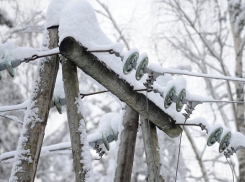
column 139, row 24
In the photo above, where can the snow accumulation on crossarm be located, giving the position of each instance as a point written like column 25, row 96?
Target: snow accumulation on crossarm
column 53, row 12
column 78, row 20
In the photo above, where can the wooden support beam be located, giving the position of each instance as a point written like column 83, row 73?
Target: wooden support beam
column 125, row 155
column 71, row 87
column 90, row 64
column 151, row 146
column 31, row 139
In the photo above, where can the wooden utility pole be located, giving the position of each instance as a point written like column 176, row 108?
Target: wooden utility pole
column 151, row 146
column 125, row 155
column 90, row 64
column 75, row 117
column 31, row 139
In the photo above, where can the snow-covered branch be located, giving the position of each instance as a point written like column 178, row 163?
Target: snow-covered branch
column 14, row 107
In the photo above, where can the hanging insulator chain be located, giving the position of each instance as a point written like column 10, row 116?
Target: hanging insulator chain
column 229, row 152
column 99, row 150
column 149, row 82
column 190, row 107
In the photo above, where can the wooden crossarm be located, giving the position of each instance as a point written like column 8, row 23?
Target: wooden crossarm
column 95, row 68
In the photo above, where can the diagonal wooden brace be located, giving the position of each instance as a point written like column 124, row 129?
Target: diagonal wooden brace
column 90, row 64
column 125, row 157
column 33, row 129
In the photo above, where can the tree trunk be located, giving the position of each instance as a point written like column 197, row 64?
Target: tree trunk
column 240, row 116
column 127, row 146
column 90, row 64
column 75, row 118
column 149, row 133
column 31, row 139
column 239, row 88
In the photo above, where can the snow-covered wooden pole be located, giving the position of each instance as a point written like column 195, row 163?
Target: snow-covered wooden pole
column 151, row 146
column 32, row 133
column 80, row 150
column 127, row 146
column 90, row 64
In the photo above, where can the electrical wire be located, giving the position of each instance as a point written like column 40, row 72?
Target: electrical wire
column 176, row 174
column 232, row 169
column 104, row 91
